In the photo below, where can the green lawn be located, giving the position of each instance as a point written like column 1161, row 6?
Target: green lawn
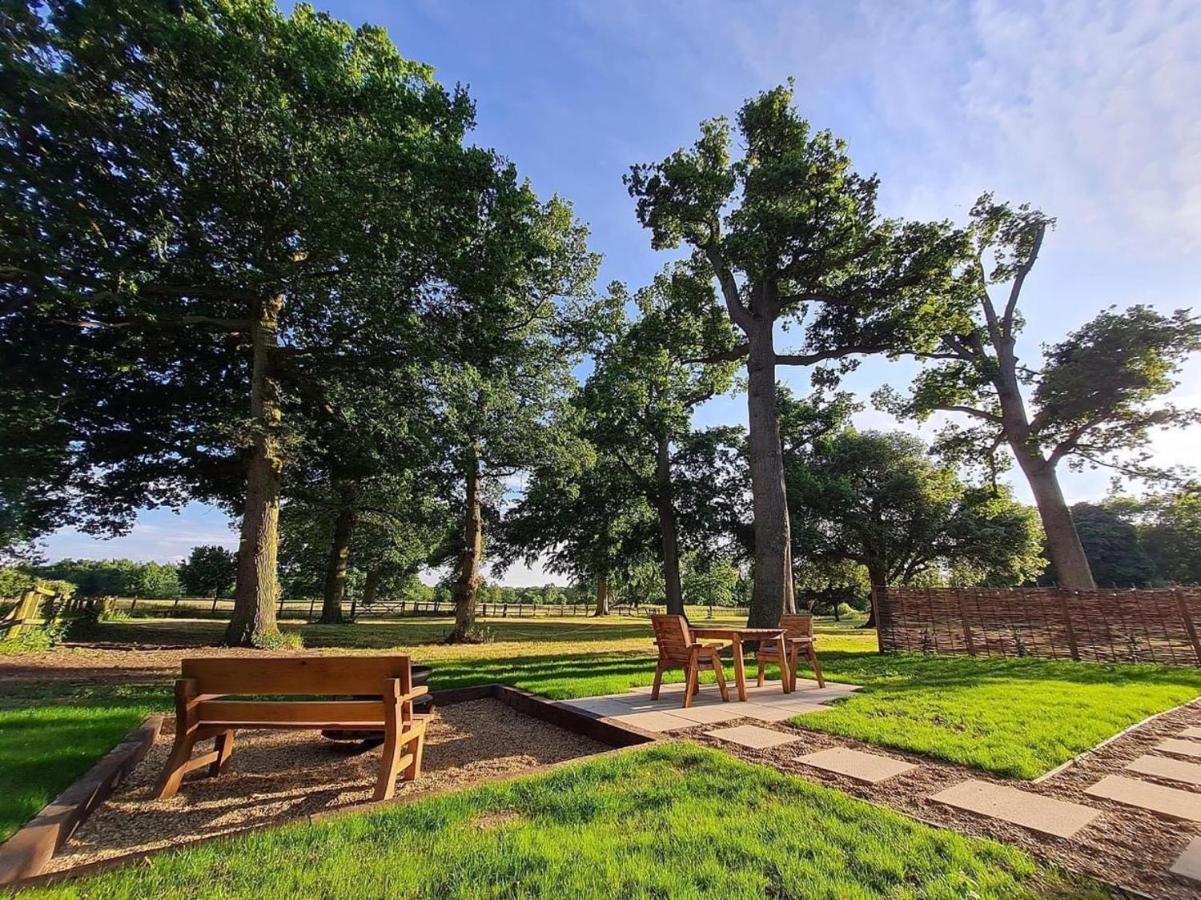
column 675, row 821
column 1019, row 717
column 49, row 737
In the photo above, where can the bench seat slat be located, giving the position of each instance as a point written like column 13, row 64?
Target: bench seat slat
column 264, row 713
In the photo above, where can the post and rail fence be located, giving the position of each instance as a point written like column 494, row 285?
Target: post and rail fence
column 1139, row 625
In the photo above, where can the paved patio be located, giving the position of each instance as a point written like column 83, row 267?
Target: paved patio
column 765, row 704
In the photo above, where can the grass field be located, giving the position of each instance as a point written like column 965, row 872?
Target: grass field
column 1013, row 717
column 49, row 736
column 675, row 821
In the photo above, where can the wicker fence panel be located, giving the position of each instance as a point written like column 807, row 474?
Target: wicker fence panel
column 1152, row 625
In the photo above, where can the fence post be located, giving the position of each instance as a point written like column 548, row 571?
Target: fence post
column 967, row 632
column 133, row 603
column 280, row 613
column 1067, row 624
column 1188, row 622
column 214, row 609
column 312, row 603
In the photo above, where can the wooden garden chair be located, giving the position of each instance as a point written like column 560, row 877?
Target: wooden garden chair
column 677, row 650
column 798, row 639
column 202, row 712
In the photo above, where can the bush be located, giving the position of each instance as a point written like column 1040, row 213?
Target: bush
column 280, row 640
column 845, row 609
column 35, row 638
column 14, row 582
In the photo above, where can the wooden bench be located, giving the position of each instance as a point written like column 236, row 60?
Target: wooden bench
column 201, row 712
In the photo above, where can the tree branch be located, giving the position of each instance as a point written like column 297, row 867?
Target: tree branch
column 735, row 353
column 739, row 314
column 1019, row 279
column 809, row 359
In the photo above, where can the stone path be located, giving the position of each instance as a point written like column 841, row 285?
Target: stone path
column 1122, row 812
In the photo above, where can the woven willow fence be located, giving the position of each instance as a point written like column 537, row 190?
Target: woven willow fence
column 1151, row 625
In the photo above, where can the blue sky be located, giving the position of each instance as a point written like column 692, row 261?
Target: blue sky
column 1085, row 109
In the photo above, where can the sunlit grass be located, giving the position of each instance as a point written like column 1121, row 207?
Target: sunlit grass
column 675, row 821
column 1017, row 717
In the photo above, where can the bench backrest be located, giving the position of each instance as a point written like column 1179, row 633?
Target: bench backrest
column 297, row 675
column 797, row 626
column 672, row 636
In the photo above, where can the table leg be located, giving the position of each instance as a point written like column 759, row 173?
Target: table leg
column 739, row 668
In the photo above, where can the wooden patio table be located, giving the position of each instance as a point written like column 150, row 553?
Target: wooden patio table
column 736, row 636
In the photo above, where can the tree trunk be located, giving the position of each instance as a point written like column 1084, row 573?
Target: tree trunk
column 1071, row 566
column 467, row 587
column 253, row 621
column 769, row 501
column 1072, row 570
column 339, row 563
column 878, row 577
column 665, row 502
column 602, row 595
column 371, row 586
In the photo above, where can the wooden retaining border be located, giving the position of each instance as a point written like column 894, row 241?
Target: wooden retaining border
column 37, row 842
column 28, row 851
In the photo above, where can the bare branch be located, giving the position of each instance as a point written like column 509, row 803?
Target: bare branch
column 809, row 359
column 739, row 314
column 1019, row 279
column 734, row 354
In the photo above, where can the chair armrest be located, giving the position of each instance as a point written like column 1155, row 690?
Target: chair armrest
column 419, row 691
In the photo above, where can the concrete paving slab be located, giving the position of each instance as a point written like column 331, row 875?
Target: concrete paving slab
column 709, row 715
column 1191, row 732
column 1038, row 813
column 600, row 707
column 1188, row 863
column 768, row 713
column 1180, row 747
column 870, row 768
column 1165, row 767
column 753, row 736
column 1166, row 801
column 655, row 721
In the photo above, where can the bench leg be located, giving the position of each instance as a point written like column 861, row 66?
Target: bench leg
column 177, row 765
column 721, row 679
column 691, row 676
column 817, row 667
column 417, row 748
column 225, row 749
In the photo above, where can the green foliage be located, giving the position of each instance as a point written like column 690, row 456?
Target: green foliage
column 876, row 498
column 209, row 571
column 15, row 581
column 116, row 577
column 1115, row 551
column 1171, row 535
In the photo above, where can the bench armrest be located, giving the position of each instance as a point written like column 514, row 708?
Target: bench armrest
column 420, row 691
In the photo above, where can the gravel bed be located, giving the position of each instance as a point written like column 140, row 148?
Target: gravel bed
column 275, row 776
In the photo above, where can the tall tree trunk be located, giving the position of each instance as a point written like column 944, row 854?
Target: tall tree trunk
column 1068, row 559
column 877, row 575
column 769, row 501
column 602, row 595
column 1071, row 566
column 371, row 585
column 253, row 621
column 339, row 562
column 467, row 587
column 669, row 538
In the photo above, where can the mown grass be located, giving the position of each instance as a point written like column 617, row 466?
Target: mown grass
column 674, row 821
column 49, row 737
column 1019, row 717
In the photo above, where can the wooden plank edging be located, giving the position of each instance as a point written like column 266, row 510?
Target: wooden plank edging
column 28, row 851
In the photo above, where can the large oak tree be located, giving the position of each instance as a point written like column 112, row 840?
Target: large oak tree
column 792, row 235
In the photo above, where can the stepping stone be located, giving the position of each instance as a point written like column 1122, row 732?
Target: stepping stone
column 709, row 715
column 1154, row 798
column 654, row 721
column 1191, row 732
column 1188, row 863
column 1034, row 811
column 1183, row 748
column 869, row 768
column 1163, row 767
column 753, row 736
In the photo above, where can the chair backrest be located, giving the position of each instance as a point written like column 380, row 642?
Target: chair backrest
column 797, row 626
column 298, row 675
column 672, row 636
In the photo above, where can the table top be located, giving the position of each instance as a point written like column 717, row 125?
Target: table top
column 734, row 630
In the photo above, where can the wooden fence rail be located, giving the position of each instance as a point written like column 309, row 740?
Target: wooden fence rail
column 1141, row 625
